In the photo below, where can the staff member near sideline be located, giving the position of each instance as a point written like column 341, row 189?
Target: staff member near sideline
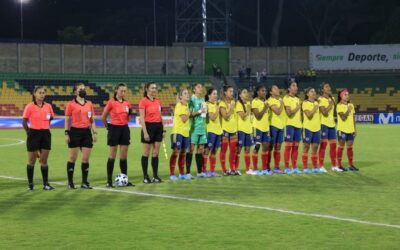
column 118, row 131
column 39, row 114
column 80, row 133
column 152, row 130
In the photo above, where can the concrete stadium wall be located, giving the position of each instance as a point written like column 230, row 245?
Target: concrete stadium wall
column 90, row 59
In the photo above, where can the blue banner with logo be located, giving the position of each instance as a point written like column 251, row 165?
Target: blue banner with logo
column 387, row 118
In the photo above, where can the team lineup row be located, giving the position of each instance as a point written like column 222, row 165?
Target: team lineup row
column 205, row 124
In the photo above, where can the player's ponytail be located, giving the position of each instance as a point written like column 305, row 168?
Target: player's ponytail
column 241, row 100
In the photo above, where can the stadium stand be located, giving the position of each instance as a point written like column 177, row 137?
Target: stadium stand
column 16, row 89
column 370, row 93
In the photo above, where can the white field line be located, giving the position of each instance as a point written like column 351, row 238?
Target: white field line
column 232, row 204
column 18, row 142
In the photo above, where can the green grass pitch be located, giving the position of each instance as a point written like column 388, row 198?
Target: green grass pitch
column 240, row 217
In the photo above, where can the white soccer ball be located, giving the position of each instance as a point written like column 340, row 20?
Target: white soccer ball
column 121, row 180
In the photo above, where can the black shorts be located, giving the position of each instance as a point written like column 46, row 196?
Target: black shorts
column 118, row 135
column 155, row 131
column 80, row 138
column 38, row 139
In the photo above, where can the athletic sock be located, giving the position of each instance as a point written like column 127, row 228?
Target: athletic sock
column 172, row 162
column 340, row 155
column 322, row 149
column 123, row 165
column 199, row 163
column 213, row 161
column 264, row 159
column 277, row 158
column 205, row 160
column 295, row 155
column 350, row 155
column 110, row 169
column 332, row 152
column 254, row 157
column 181, row 163
column 247, row 160
column 222, row 154
column 304, row 157
column 45, row 174
column 188, row 162
column 70, row 171
column 286, row 154
column 154, row 165
column 232, row 153
column 314, row 160
column 85, row 172
column 145, row 165
column 29, row 173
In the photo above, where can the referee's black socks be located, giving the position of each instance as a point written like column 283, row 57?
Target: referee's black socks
column 70, row 172
column 123, row 164
column 110, row 169
column 85, row 172
column 154, row 165
column 145, row 165
column 29, row 172
column 188, row 162
column 45, row 174
column 199, row 163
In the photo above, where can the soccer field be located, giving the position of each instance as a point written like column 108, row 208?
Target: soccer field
column 351, row 210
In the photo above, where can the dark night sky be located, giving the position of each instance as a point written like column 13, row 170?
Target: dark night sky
column 125, row 21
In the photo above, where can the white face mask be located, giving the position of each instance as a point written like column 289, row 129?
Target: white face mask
column 89, row 114
column 48, row 116
column 127, row 109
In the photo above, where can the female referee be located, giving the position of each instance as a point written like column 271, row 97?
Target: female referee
column 259, row 107
column 229, row 127
column 293, row 127
column 346, row 128
column 328, row 126
column 245, row 130
column 277, row 123
column 80, row 133
column 39, row 114
column 214, row 131
column 152, row 130
column 312, row 129
column 180, row 135
column 118, row 131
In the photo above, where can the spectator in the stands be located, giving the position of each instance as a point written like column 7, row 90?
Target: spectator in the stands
column 248, row 72
column 189, row 67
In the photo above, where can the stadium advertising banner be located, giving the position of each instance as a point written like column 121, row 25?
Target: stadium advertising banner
column 364, row 118
column 58, row 122
column 387, row 118
column 355, row 57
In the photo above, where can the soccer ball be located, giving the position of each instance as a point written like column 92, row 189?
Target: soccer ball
column 121, row 180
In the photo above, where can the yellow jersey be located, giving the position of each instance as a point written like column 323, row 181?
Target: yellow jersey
column 278, row 121
column 180, row 127
column 313, row 124
column 243, row 125
column 229, row 125
column 329, row 120
column 346, row 126
column 213, row 126
column 292, row 102
column 263, row 123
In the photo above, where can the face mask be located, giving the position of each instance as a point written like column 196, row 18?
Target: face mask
column 82, row 93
